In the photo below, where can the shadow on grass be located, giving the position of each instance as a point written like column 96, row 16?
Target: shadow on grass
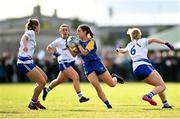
column 152, row 109
column 4, row 112
column 130, row 105
column 81, row 110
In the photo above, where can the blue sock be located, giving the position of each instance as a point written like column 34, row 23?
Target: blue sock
column 108, row 104
column 33, row 102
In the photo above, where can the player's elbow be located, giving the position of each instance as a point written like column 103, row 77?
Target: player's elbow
column 85, row 53
column 152, row 40
column 74, row 54
column 48, row 49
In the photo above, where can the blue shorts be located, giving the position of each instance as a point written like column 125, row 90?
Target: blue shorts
column 95, row 66
column 143, row 71
column 65, row 65
column 25, row 68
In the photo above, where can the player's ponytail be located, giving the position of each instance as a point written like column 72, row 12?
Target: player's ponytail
column 32, row 24
column 135, row 33
column 88, row 30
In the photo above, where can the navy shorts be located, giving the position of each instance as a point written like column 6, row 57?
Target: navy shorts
column 65, row 65
column 25, row 68
column 95, row 66
column 143, row 71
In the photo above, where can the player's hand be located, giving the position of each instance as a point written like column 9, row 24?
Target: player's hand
column 56, row 54
column 118, row 49
column 170, row 46
column 25, row 49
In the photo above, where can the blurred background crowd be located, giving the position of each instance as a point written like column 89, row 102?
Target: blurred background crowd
column 109, row 21
column 167, row 64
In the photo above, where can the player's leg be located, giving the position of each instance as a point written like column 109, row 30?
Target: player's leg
column 60, row 79
column 104, row 74
column 39, row 105
column 36, row 76
column 106, row 77
column 92, row 77
column 72, row 74
column 42, row 72
column 164, row 100
column 156, row 80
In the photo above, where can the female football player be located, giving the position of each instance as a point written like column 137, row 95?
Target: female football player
column 93, row 66
column 66, row 62
column 25, row 62
column 142, row 67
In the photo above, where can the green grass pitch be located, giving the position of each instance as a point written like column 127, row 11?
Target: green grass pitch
column 62, row 102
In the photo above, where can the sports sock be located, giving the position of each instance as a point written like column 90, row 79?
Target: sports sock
column 33, row 102
column 48, row 89
column 165, row 103
column 151, row 94
column 79, row 94
column 107, row 103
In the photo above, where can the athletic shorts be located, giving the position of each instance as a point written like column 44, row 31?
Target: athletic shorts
column 25, row 68
column 94, row 66
column 143, row 71
column 65, row 65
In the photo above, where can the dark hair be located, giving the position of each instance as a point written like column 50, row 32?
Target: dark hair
column 32, row 23
column 87, row 29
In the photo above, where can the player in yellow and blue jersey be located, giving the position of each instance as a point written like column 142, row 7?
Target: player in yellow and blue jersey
column 93, row 66
column 66, row 63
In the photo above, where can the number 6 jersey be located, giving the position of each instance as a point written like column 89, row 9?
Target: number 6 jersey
column 138, row 50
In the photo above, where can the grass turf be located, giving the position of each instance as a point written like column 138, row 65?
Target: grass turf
column 62, row 102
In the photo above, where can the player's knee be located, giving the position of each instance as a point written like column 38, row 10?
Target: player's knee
column 45, row 77
column 76, row 78
column 59, row 81
column 42, row 82
column 112, row 84
column 163, row 87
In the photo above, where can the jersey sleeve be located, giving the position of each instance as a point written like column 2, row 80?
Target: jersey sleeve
column 90, row 45
column 28, row 34
column 54, row 44
column 145, row 41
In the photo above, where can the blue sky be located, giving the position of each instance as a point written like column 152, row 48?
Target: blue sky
column 125, row 12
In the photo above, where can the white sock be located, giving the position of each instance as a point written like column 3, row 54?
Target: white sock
column 79, row 94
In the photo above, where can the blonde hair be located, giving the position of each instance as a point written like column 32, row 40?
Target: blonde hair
column 135, row 33
column 63, row 25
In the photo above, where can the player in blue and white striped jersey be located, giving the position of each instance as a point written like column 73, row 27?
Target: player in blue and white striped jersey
column 66, row 63
column 143, row 68
column 25, row 62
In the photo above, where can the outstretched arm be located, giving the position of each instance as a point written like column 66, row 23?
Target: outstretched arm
column 160, row 41
column 52, row 51
column 156, row 40
column 121, row 50
column 49, row 49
